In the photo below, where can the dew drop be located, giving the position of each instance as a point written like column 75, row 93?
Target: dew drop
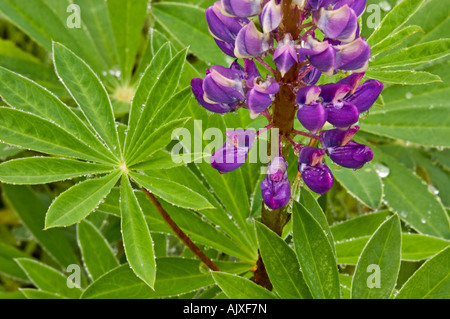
column 409, row 95
column 382, row 171
column 433, row 189
column 385, row 6
column 423, row 221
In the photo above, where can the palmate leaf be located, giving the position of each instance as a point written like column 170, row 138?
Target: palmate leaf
column 89, row 93
column 176, row 18
column 26, row 95
column 236, row 287
column 281, row 265
column 403, row 77
column 78, row 201
column 394, row 40
column 435, row 273
column 137, row 240
column 47, row 278
column 163, row 88
column 98, row 256
column 127, row 19
column 7, row 265
column 383, row 251
column 174, row 276
column 315, row 255
column 394, row 20
column 41, row 170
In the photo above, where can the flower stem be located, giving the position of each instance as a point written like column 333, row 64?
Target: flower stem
column 181, row 235
column 267, row 66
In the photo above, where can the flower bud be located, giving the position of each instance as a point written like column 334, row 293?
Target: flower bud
column 353, row 56
column 340, row 24
column 336, row 137
column 275, row 188
column 223, row 85
column 222, row 27
column 352, row 80
column 271, row 15
column 318, row 178
column 356, row 5
column 312, row 77
column 334, row 92
column 322, row 55
column 227, row 48
column 310, row 156
column 261, row 95
column 251, row 43
column 234, row 151
column 308, row 95
column 342, row 114
column 365, row 95
column 285, row 55
column 352, row 155
column 197, row 89
column 242, row 8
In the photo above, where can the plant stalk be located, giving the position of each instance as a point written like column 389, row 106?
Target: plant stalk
column 180, row 234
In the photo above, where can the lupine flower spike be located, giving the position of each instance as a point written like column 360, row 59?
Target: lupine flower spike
column 292, row 90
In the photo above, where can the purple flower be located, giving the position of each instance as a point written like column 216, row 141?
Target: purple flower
column 353, row 56
column 223, row 85
column 315, row 5
column 356, row 5
column 365, row 95
column 352, row 155
column 340, row 24
column 285, row 55
column 242, row 8
column 222, row 27
column 234, row 151
column 271, row 16
column 311, row 113
column 261, row 95
column 275, row 188
column 251, row 43
column 316, row 175
column 340, row 113
column 227, row 48
column 343, row 150
column 322, row 55
column 197, row 89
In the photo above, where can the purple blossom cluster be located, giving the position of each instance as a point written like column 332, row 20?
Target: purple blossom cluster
column 340, row 104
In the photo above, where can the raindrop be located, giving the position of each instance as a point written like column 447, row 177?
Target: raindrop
column 409, row 95
column 385, row 6
column 382, row 171
column 433, row 189
column 423, row 221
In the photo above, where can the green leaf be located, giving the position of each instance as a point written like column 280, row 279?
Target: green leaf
column 281, row 265
column 402, row 189
column 146, row 83
column 315, row 255
column 89, row 93
column 364, row 184
column 394, row 20
column 48, row 279
column 307, row 200
column 172, row 192
column 97, row 254
column 176, row 18
column 415, row 55
column 8, row 151
column 405, row 77
column 136, row 236
column 41, row 170
column 394, row 40
column 155, row 141
column 381, row 256
column 78, row 201
column 236, row 287
column 39, row 294
column 7, row 265
column 165, row 160
column 31, row 212
column 415, row 247
column 127, row 18
column 175, row 276
column 360, row 226
column 26, row 95
column 32, row 132
column 430, row 281
column 163, row 88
